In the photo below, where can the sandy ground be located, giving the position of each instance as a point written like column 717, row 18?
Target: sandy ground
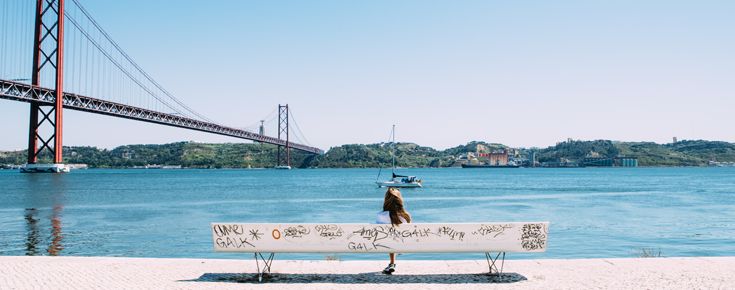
column 147, row 273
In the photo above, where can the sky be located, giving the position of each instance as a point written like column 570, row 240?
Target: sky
column 519, row 73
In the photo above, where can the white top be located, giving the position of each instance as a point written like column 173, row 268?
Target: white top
column 384, row 218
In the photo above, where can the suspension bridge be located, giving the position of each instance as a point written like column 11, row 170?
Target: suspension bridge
column 55, row 56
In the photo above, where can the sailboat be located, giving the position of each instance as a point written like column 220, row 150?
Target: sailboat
column 405, row 181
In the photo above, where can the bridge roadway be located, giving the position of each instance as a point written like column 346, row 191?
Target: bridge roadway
column 26, row 93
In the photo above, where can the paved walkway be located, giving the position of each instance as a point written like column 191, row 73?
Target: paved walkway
column 146, row 273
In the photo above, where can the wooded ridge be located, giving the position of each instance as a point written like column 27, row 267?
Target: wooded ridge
column 244, row 155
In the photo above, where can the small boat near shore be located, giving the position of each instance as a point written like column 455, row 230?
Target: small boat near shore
column 406, row 181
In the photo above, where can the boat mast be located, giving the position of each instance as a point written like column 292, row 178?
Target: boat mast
column 393, row 153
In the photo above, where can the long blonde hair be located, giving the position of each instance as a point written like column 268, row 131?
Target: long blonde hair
column 394, row 205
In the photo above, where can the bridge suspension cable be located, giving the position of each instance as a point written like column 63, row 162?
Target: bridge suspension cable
column 129, row 78
column 114, row 44
column 98, row 76
column 267, row 120
column 16, row 37
column 304, row 141
column 272, row 127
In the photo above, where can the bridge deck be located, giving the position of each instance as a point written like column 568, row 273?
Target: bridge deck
column 26, row 93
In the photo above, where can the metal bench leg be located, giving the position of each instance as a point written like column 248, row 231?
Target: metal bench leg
column 491, row 263
column 267, row 267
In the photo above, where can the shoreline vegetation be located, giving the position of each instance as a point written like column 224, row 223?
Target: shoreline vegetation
column 692, row 153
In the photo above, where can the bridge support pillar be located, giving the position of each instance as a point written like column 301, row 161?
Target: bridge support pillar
column 48, row 52
column 283, row 151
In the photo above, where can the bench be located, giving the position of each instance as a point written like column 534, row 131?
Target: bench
column 260, row 238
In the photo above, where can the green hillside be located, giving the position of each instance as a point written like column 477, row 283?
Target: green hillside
column 371, row 156
column 683, row 153
column 189, row 155
column 238, row 155
column 577, row 150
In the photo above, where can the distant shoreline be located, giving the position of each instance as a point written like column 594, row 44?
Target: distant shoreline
column 697, row 153
column 520, row 168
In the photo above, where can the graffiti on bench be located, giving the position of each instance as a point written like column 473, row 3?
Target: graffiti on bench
column 380, row 238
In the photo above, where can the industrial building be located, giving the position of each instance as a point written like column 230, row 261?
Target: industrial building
column 620, row 161
column 495, row 158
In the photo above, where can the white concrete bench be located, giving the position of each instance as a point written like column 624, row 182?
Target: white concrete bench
column 485, row 238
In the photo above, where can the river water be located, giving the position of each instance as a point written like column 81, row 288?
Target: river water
column 594, row 212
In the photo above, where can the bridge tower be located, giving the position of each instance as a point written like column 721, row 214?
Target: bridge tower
column 283, row 151
column 48, row 54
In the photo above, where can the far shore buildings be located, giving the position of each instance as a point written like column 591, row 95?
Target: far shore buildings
column 473, row 158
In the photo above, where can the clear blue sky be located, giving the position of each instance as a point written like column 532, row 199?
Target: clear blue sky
column 521, row 73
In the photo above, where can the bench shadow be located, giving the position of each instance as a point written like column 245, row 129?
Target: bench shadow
column 362, row 278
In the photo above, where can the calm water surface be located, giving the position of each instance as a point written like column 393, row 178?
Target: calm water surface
column 594, row 212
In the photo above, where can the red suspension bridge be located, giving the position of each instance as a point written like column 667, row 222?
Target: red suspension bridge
column 57, row 57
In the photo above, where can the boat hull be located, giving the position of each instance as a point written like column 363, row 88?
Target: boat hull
column 398, row 184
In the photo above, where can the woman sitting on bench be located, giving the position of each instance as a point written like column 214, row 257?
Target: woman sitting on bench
column 394, row 214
